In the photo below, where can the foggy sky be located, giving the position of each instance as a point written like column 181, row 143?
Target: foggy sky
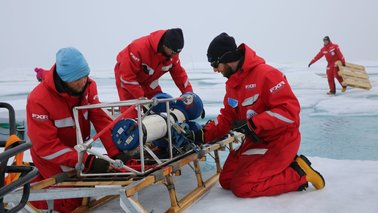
column 290, row 31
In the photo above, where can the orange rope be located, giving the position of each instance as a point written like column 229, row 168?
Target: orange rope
column 17, row 161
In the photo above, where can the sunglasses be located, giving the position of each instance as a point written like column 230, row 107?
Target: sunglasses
column 215, row 62
column 177, row 51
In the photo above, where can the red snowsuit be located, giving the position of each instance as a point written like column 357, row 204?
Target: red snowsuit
column 260, row 92
column 139, row 67
column 332, row 53
column 51, row 129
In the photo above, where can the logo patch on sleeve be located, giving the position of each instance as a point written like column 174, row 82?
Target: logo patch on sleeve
column 277, row 87
column 40, row 118
column 250, row 86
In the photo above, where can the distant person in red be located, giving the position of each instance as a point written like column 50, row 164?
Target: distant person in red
column 140, row 65
column 332, row 53
column 258, row 102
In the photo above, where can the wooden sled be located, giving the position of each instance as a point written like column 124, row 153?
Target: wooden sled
column 107, row 188
column 127, row 179
column 354, row 75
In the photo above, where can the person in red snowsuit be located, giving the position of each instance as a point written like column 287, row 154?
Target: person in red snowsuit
column 259, row 103
column 50, row 123
column 332, row 54
column 140, row 65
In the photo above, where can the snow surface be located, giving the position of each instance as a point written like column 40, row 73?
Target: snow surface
column 337, row 128
column 351, row 186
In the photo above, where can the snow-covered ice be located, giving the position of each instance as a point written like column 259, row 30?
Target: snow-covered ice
column 351, row 186
column 339, row 133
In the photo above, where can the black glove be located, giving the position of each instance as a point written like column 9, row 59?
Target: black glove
column 124, row 157
column 96, row 165
column 196, row 136
column 242, row 127
column 309, row 64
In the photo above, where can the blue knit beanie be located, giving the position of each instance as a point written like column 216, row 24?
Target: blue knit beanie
column 71, row 64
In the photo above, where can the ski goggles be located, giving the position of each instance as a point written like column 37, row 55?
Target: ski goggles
column 214, row 62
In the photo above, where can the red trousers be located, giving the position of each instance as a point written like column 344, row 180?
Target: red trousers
column 254, row 175
column 332, row 73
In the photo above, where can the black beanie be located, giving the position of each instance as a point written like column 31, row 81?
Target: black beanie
column 173, row 39
column 326, row 38
column 220, row 45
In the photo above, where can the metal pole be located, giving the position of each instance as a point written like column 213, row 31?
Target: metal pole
column 140, row 138
column 127, row 103
column 169, row 130
column 79, row 140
